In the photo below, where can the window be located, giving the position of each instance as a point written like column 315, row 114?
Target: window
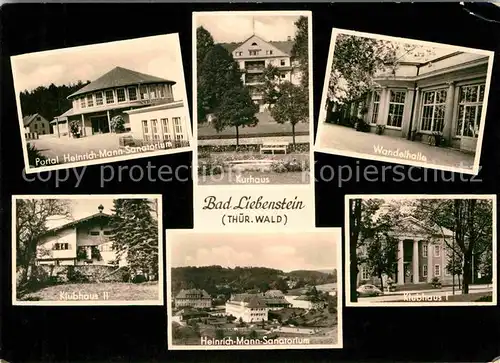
column 425, row 249
column 161, row 91
column 132, row 93
column 269, row 52
column 424, row 270
column 396, row 108
column 433, row 107
column 90, row 101
column 143, row 92
column 253, row 52
column 152, row 92
column 106, row 247
column 283, row 75
column 109, row 96
column 283, row 62
column 36, row 126
column 364, row 273
column 376, row 104
column 254, row 44
column 98, row 99
column 107, row 233
column 94, row 233
column 178, row 128
column 120, row 94
column 166, row 129
column 154, row 130
column 437, row 251
column 470, row 108
column 238, row 53
column 61, row 246
column 145, row 130
column 83, row 103
column 437, row 270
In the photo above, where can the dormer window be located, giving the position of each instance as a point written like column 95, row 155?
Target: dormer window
column 254, row 52
column 83, row 103
column 98, row 98
column 109, row 97
column 132, row 93
column 143, row 92
column 90, row 101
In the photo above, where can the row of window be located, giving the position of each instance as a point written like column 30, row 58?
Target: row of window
column 98, row 233
column 470, row 106
column 63, row 246
column 437, row 250
column 42, row 124
column 253, row 52
column 151, row 131
column 120, row 95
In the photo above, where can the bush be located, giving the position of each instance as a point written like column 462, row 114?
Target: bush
column 34, row 155
column 75, row 275
column 118, row 124
column 74, row 128
column 137, row 279
column 487, row 298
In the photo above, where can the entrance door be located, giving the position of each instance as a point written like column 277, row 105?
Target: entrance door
column 100, row 125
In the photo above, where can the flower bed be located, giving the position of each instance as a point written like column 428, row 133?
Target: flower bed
column 204, row 151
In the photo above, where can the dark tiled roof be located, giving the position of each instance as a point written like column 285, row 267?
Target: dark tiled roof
column 118, row 77
column 260, row 299
column 193, row 294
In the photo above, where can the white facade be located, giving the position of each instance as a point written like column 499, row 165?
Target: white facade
column 246, row 311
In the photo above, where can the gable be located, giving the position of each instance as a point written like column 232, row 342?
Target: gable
column 256, row 47
column 412, row 226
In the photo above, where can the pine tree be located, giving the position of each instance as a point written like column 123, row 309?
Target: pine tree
column 136, row 235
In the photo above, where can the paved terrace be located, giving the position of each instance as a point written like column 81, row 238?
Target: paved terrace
column 340, row 139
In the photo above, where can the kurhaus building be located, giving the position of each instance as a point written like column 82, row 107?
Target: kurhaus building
column 420, row 100
column 116, row 92
column 422, row 254
column 254, row 54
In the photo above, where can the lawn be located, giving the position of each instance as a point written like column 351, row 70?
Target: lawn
column 115, row 291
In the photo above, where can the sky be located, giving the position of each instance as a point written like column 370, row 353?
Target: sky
column 81, row 208
column 282, row 251
column 237, row 28
column 158, row 56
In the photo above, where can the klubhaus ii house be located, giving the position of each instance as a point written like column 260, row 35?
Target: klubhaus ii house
column 422, row 100
column 118, row 92
column 83, row 241
column 254, row 54
column 422, row 255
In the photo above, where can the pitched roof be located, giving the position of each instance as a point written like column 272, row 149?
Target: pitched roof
column 285, row 46
column 258, row 300
column 28, row 119
column 118, row 77
column 78, row 221
column 193, row 294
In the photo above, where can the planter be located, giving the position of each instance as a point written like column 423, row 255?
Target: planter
column 468, row 144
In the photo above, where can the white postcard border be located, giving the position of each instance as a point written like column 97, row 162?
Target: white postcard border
column 347, row 270
column 158, row 302
column 322, row 113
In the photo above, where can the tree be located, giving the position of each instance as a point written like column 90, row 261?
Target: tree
column 135, row 235
column 300, row 50
column 236, row 110
column 354, row 231
column 118, row 124
column 270, row 87
column 381, row 254
column 219, row 333
column 471, row 223
column 31, row 220
column 292, row 106
column 218, row 73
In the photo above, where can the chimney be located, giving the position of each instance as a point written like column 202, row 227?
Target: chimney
column 100, row 208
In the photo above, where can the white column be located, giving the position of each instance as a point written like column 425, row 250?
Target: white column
column 83, row 125
column 430, row 267
column 383, row 106
column 415, row 262
column 57, row 126
column 109, row 121
column 416, row 111
column 89, row 252
column 448, row 112
column 401, row 272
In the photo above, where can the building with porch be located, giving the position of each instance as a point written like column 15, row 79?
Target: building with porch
column 115, row 92
column 419, row 101
column 36, row 124
column 422, row 254
column 85, row 241
column 254, row 54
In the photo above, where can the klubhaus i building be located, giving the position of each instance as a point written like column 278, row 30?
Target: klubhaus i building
column 254, row 54
column 145, row 102
column 419, row 100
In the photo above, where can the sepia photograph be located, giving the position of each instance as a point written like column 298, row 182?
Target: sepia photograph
column 407, row 250
column 102, row 103
column 404, row 101
column 87, row 250
column 253, row 103
column 254, row 290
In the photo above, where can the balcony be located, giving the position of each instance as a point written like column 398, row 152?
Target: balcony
column 255, row 69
